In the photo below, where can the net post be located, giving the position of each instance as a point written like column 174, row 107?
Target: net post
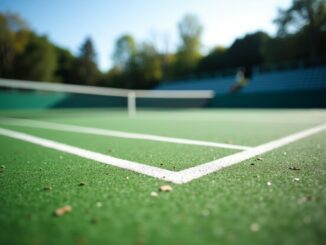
column 131, row 103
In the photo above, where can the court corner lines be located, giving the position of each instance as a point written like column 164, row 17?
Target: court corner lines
column 179, row 177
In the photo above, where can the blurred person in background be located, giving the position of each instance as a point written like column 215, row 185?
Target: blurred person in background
column 242, row 78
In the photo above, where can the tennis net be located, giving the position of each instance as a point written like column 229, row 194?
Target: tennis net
column 30, row 94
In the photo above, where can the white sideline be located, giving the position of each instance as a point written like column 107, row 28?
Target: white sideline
column 180, row 177
column 113, row 133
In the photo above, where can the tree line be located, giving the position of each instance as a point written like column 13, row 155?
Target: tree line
column 26, row 55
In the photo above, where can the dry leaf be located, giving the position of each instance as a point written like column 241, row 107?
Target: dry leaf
column 154, row 194
column 166, row 188
column 63, row 210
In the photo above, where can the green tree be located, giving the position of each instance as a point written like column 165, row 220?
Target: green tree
column 14, row 35
column 146, row 68
column 188, row 54
column 124, row 52
column 214, row 61
column 85, row 69
column 37, row 61
column 286, row 48
column 246, row 51
column 65, row 62
column 124, row 60
column 307, row 16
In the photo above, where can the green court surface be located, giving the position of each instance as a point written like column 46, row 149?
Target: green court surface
column 275, row 197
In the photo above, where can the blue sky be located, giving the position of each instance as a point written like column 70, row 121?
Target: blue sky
column 69, row 22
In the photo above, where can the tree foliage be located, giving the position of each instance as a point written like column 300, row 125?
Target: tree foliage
column 188, row 54
column 146, row 67
column 37, row 61
column 246, row 51
column 308, row 16
column 14, row 35
column 215, row 60
column 85, row 69
column 124, row 52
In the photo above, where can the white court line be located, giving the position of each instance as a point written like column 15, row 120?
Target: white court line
column 113, row 133
column 190, row 174
column 180, row 177
column 262, row 119
column 125, row 164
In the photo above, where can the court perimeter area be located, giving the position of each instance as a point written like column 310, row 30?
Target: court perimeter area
column 238, row 176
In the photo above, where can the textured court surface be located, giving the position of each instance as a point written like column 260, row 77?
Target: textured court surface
column 259, row 200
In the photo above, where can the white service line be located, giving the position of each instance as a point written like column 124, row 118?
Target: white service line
column 180, row 177
column 113, row 133
column 125, row 164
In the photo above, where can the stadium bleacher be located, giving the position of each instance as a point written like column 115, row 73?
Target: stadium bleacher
column 291, row 88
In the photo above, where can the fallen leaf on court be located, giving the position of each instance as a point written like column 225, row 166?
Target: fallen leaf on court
column 205, row 213
column 154, row 194
column 166, row 188
column 61, row 211
column 254, row 227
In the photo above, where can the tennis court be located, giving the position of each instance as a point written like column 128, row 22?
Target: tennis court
column 106, row 165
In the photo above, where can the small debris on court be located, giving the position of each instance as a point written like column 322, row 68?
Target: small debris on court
column 47, row 188
column 94, row 221
column 205, row 213
column 294, row 168
column 304, row 199
column 252, row 164
column 259, row 159
column 154, row 194
column 166, row 188
column 82, row 183
column 61, row 211
column 254, row 227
